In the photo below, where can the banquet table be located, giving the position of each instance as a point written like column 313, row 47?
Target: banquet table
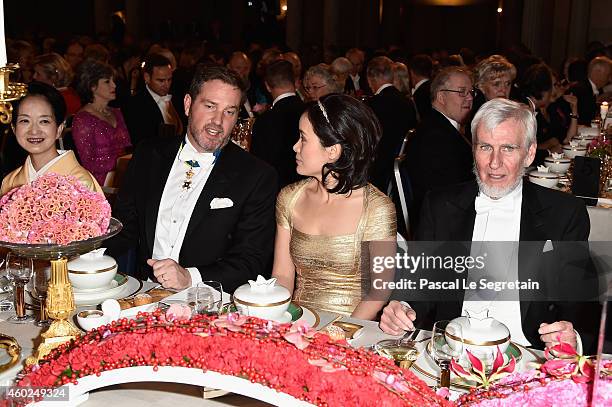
column 601, row 222
column 163, row 394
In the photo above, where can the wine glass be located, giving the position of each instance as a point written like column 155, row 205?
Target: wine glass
column 446, row 344
column 208, row 297
column 19, row 270
column 39, row 291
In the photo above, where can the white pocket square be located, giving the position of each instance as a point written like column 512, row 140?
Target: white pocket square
column 548, row 246
column 220, row 203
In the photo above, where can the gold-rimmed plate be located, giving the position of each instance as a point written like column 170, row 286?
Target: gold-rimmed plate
column 426, row 366
column 129, row 287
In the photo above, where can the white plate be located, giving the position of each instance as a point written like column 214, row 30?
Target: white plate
column 132, row 312
column 311, row 317
column 130, row 288
column 110, row 286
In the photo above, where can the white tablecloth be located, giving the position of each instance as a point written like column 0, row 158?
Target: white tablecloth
column 601, row 223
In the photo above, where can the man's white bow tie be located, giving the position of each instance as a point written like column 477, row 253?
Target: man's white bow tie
column 195, row 159
column 484, row 204
column 165, row 99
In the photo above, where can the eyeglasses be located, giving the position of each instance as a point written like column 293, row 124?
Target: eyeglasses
column 313, row 87
column 462, row 92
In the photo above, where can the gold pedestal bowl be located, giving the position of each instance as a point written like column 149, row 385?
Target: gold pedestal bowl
column 60, row 298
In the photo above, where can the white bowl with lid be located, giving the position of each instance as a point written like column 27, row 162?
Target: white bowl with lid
column 481, row 336
column 92, row 271
column 263, row 299
column 558, row 165
column 545, row 179
column 574, row 151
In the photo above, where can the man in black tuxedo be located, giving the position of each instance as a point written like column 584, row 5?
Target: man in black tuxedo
column 276, row 131
column 439, row 154
column 396, row 114
column 357, row 83
column 500, row 207
column 587, row 91
column 199, row 208
column 151, row 112
column 421, row 67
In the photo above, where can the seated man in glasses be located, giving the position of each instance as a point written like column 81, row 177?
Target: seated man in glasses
column 530, row 234
column 440, row 154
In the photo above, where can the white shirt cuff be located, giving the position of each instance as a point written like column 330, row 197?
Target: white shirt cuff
column 196, row 277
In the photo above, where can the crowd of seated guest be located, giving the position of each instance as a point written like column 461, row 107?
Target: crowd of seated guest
column 435, row 94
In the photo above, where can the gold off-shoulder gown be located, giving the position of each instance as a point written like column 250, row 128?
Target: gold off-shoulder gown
column 331, row 272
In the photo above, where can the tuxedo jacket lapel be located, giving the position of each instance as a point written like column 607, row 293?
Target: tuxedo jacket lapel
column 166, row 156
column 532, row 239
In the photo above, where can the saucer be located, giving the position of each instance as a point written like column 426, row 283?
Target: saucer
column 130, row 286
column 287, row 317
column 110, row 286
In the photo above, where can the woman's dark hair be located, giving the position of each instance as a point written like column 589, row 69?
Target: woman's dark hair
column 88, row 75
column 344, row 120
column 50, row 94
column 537, row 80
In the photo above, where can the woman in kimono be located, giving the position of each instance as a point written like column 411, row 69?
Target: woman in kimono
column 38, row 121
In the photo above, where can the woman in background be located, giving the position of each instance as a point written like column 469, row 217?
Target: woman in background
column 54, row 70
column 332, row 224
column 320, row 81
column 38, row 121
column 99, row 131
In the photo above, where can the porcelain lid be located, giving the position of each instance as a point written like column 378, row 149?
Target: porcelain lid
column 563, row 160
column 262, row 292
column 94, row 261
column 484, row 332
column 573, row 148
column 543, row 174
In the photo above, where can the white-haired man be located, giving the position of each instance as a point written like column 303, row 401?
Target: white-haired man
column 499, row 207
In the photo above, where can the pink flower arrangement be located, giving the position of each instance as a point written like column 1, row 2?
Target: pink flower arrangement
column 324, row 373
column 566, row 378
column 53, row 209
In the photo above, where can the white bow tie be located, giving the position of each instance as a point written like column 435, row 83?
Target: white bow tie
column 484, row 204
column 164, row 99
column 188, row 155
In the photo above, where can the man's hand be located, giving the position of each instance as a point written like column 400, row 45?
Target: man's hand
column 397, row 318
column 563, row 331
column 170, row 274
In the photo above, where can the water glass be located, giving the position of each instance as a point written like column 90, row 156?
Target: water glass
column 208, row 298
column 39, row 291
column 446, row 344
column 19, row 271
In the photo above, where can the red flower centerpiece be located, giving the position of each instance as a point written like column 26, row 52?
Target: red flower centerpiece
column 291, row 359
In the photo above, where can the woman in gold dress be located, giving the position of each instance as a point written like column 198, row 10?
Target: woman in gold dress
column 330, row 225
column 38, row 121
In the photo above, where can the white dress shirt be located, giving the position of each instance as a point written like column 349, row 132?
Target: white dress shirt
column 164, row 103
column 595, row 90
column 418, row 84
column 33, row 175
column 177, row 205
column 453, row 122
column 498, row 220
column 282, row 96
column 382, row 87
column 355, row 80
